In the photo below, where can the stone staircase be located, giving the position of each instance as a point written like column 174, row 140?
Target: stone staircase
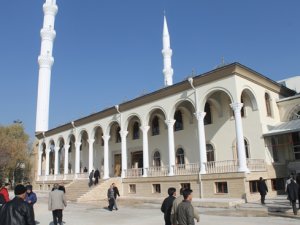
column 76, row 189
column 99, row 192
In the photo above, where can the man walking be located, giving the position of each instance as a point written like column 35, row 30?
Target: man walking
column 185, row 210
column 167, row 205
column 111, row 197
column 56, row 204
column 97, row 176
column 91, row 176
column 116, row 193
column 17, row 211
column 292, row 190
column 262, row 189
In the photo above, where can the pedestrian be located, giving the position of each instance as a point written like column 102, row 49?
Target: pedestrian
column 4, row 195
column 292, row 190
column 85, row 170
column 176, row 202
column 298, row 182
column 111, row 197
column 97, row 176
column 30, row 197
column 116, row 193
column 17, row 211
column 185, row 210
column 166, row 206
column 56, row 203
column 91, row 176
column 262, row 189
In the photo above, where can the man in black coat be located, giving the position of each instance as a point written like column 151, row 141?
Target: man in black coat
column 116, row 193
column 166, row 206
column 292, row 190
column 91, row 176
column 17, row 211
column 97, row 176
column 262, row 189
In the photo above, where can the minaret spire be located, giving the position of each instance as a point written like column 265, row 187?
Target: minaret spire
column 45, row 61
column 167, row 54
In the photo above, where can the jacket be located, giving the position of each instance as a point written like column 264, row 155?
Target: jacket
column 262, row 187
column 31, row 197
column 17, row 212
column 116, row 192
column 166, row 208
column 185, row 213
column 292, row 190
column 56, row 200
column 4, row 192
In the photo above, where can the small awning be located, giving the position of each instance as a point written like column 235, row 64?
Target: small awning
column 284, row 128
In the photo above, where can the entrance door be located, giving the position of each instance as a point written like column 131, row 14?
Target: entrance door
column 137, row 159
column 118, row 165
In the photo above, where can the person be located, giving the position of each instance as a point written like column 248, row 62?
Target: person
column 292, row 190
column 298, row 182
column 176, row 202
column 262, row 189
column 61, row 187
column 167, row 205
column 4, row 195
column 17, row 211
column 111, row 197
column 56, row 203
column 30, row 197
column 91, row 176
column 85, row 170
column 97, row 176
column 185, row 210
column 116, row 193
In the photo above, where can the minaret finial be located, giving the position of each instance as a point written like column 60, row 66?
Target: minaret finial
column 167, row 54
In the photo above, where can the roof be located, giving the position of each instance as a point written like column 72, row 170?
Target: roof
column 284, row 128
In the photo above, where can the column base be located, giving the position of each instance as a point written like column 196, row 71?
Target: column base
column 243, row 169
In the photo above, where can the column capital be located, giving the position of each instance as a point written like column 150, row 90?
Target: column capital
column 48, row 150
column 145, row 128
column 91, row 140
column 56, row 149
column 170, row 122
column 123, row 133
column 66, row 146
column 106, row 137
column 200, row 115
column 236, row 106
column 77, row 144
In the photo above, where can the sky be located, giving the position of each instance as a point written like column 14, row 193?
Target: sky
column 109, row 51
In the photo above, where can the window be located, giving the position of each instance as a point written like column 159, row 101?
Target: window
column 180, row 156
column 155, row 126
column 132, row 188
column 278, row 184
column 118, row 135
column 207, row 118
column 253, row 185
column 247, row 149
column 179, row 122
column 210, row 153
column 274, row 149
column 221, row 187
column 296, row 144
column 156, row 158
column 268, row 104
column 156, row 188
column 186, row 185
column 136, row 131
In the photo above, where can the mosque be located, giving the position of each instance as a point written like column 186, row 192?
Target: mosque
column 215, row 132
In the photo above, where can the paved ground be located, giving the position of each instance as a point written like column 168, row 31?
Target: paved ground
column 149, row 214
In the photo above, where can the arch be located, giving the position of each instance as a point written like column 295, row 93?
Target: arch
column 293, row 113
column 109, row 127
column 82, row 132
column 185, row 104
column 156, row 158
column 180, row 158
column 94, row 130
column 250, row 94
column 156, row 110
column 208, row 116
column 134, row 116
column 155, row 128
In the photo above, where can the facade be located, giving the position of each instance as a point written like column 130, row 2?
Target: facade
column 217, row 133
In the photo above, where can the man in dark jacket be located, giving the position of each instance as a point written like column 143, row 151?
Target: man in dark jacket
column 292, row 190
column 97, row 176
column 185, row 210
column 91, row 176
column 116, row 193
column 17, row 211
column 262, row 189
column 167, row 205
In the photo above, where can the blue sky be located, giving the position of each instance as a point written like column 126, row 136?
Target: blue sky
column 109, row 51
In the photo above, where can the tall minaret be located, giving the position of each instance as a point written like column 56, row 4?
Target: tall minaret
column 45, row 61
column 167, row 54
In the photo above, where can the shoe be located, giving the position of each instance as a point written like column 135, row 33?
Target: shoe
column 116, row 208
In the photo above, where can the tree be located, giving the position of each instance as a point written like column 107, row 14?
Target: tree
column 14, row 152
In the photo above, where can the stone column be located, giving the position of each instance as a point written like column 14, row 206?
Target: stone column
column 56, row 166
column 124, row 152
column 170, row 124
column 145, row 150
column 77, row 157
column 240, row 137
column 66, row 163
column 201, row 141
column 40, row 163
column 47, row 161
column 106, row 156
column 91, row 154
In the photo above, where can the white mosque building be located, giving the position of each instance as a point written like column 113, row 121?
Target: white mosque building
column 216, row 132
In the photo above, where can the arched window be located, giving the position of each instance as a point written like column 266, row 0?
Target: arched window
column 247, row 150
column 179, row 121
column 207, row 118
column 155, row 126
column 118, row 135
column 210, row 154
column 243, row 107
column 156, row 158
column 180, row 156
column 136, row 131
column 268, row 104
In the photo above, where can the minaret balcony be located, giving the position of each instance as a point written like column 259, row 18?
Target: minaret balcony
column 48, row 34
column 50, row 9
column 45, row 61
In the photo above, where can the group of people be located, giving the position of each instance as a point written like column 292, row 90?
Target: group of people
column 179, row 210
column 94, row 177
column 19, row 210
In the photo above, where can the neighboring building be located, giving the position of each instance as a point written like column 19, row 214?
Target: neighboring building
column 217, row 133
